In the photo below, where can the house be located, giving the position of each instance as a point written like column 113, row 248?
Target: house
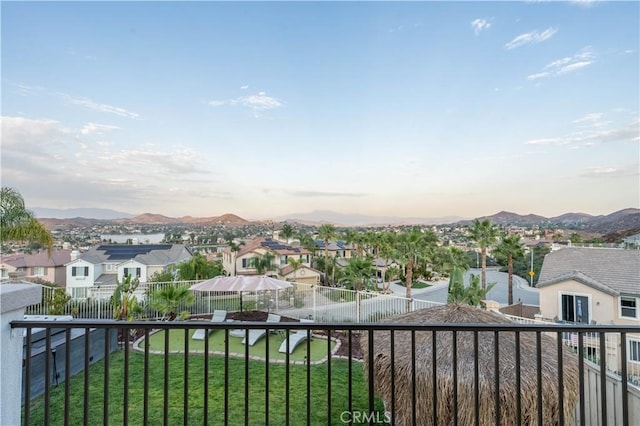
column 242, row 261
column 42, row 265
column 335, row 248
column 108, row 264
column 593, row 286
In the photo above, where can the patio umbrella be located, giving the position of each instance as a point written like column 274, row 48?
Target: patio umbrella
column 455, row 313
column 241, row 283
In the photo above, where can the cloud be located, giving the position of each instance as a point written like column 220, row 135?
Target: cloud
column 259, row 102
column 611, row 171
column 592, row 129
column 309, row 193
column 480, row 25
column 29, row 134
column 90, row 104
column 245, row 87
column 26, row 90
column 533, row 37
column 90, row 128
column 583, row 58
column 217, row 103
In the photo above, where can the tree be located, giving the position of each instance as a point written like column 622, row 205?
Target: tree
column 359, row 270
column 287, row 231
column 57, row 301
column 575, row 238
column 169, row 299
column 326, row 233
column 199, row 268
column 264, row 263
column 471, row 294
column 409, row 249
column 508, row 249
column 235, row 248
column 19, row 224
column 295, row 264
column 124, row 302
column 484, row 234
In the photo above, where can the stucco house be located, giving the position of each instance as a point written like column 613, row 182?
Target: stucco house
column 41, row 265
column 241, row 262
column 593, row 285
column 337, row 248
column 107, row 264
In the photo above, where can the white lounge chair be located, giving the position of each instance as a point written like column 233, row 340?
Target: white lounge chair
column 294, row 339
column 257, row 334
column 218, row 316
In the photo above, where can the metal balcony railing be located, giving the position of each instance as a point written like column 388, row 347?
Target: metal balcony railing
column 94, row 371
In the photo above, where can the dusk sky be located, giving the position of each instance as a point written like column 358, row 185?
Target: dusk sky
column 412, row 109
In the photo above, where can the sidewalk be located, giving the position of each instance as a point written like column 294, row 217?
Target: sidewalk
column 399, row 290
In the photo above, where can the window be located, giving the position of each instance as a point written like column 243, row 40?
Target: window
column 108, row 267
column 283, row 260
column 80, row 271
column 39, row 271
column 132, row 271
column 246, row 263
column 575, row 308
column 629, row 307
column 634, row 350
column 4, row 273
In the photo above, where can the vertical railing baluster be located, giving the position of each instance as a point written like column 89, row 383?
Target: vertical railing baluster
column 27, row 379
column 625, row 378
column 67, row 374
column 246, row 378
column 105, row 390
column 560, row 382
column 287, row 379
column 413, row 377
column 454, row 361
column 393, row 377
column 581, row 377
column 165, row 413
column 496, row 367
column 371, row 372
column 125, row 400
column 328, row 374
column 518, row 382
column 185, row 387
column 145, row 385
column 434, row 378
column 47, row 375
column 539, row 376
column 308, row 393
column 603, row 376
column 350, row 379
column 266, row 378
column 87, row 354
column 476, row 380
column 226, row 376
column 205, row 414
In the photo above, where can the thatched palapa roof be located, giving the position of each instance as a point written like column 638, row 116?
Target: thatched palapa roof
column 455, row 313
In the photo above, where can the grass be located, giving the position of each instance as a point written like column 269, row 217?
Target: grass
column 319, row 396
column 416, row 284
column 318, row 347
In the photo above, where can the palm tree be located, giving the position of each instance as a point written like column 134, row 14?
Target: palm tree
column 485, row 234
column 326, row 233
column 510, row 248
column 169, row 299
column 264, row 263
column 235, row 248
column 287, row 231
column 19, row 224
column 359, row 270
column 295, row 264
column 198, row 268
column 409, row 249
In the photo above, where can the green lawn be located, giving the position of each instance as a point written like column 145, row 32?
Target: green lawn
column 236, row 391
column 216, row 343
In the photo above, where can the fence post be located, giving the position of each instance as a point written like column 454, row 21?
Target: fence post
column 357, row 306
column 315, row 289
column 13, row 299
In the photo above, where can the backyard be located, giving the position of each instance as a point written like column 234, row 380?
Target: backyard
column 318, row 391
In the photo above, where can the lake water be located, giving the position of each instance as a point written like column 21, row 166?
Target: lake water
column 141, row 238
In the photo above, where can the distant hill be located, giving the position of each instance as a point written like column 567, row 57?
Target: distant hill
column 571, row 218
column 150, row 218
column 79, row 212
column 318, row 217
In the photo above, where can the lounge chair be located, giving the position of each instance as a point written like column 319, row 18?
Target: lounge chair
column 294, row 339
column 219, row 315
column 257, row 334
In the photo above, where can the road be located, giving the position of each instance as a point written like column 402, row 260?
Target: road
column 499, row 293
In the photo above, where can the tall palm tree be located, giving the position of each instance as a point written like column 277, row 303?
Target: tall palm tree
column 295, row 264
column 235, row 248
column 169, row 299
column 359, row 270
column 287, row 231
column 484, row 234
column 19, row 224
column 509, row 248
column 409, row 249
column 326, row 233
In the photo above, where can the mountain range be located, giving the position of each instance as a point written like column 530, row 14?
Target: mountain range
column 626, row 220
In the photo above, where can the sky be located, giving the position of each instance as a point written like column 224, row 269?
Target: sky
column 265, row 109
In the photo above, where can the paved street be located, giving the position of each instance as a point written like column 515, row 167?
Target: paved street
column 499, row 293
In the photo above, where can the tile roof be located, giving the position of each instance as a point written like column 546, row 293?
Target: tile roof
column 614, row 271
column 269, row 244
column 57, row 258
column 146, row 254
